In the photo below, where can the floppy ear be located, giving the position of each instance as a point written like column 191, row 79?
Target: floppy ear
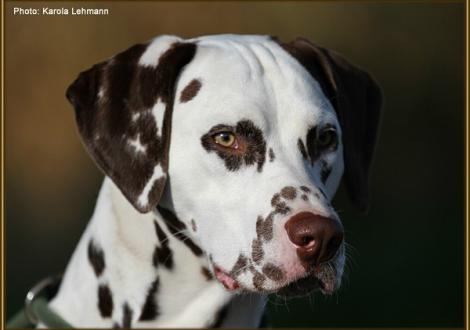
column 123, row 109
column 357, row 100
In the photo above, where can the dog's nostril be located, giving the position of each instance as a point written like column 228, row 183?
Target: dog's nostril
column 308, row 240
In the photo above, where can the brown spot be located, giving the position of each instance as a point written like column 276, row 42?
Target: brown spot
column 105, row 300
column 250, row 136
column 305, row 189
column 162, row 254
column 279, row 206
column 176, row 227
column 193, row 225
column 206, row 273
column 282, row 208
column 312, row 145
column 273, row 272
column 190, row 91
column 304, row 197
column 272, row 156
column 96, row 258
column 257, row 252
column 288, row 193
column 239, row 266
column 264, row 227
column 276, row 199
column 302, row 149
column 258, row 281
column 150, row 310
column 126, row 316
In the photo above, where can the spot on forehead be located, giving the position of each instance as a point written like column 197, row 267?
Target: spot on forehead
column 190, row 91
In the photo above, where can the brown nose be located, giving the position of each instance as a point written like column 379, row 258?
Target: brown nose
column 317, row 238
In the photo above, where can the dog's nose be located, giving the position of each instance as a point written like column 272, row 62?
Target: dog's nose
column 317, row 238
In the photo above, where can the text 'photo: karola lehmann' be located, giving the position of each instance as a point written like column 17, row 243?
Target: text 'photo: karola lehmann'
column 62, row 11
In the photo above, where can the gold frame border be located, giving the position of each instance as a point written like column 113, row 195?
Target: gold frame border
column 466, row 153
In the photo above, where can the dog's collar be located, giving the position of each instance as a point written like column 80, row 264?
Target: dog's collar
column 36, row 309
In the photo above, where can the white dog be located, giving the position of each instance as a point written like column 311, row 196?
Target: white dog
column 221, row 156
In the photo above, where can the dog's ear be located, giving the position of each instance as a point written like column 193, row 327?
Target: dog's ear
column 123, row 109
column 357, row 100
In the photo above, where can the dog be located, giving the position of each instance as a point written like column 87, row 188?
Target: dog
column 221, row 155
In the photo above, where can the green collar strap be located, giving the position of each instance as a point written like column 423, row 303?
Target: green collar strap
column 37, row 310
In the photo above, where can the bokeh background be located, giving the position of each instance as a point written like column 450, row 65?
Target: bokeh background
column 406, row 267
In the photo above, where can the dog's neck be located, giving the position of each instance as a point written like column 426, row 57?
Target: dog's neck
column 140, row 270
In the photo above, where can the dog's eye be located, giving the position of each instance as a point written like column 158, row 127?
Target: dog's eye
column 225, row 139
column 327, row 138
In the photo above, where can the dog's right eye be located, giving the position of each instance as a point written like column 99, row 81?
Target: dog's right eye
column 225, row 139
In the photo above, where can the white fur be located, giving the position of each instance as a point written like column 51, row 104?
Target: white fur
column 158, row 112
column 156, row 48
column 255, row 79
column 243, row 78
column 137, row 145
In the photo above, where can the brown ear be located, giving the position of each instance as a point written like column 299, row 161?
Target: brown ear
column 357, row 100
column 123, row 109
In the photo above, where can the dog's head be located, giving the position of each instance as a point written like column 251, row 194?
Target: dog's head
column 246, row 140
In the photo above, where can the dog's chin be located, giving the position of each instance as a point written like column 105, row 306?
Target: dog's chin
column 323, row 280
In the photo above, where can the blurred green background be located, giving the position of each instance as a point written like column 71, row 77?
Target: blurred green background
column 407, row 264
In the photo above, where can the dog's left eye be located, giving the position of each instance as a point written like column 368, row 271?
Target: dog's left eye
column 327, row 138
column 225, row 139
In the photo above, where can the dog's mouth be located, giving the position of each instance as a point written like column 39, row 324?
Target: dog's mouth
column 227, row 281
column 321, row 278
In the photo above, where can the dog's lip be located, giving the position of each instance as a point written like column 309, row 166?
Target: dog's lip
column 227, row 281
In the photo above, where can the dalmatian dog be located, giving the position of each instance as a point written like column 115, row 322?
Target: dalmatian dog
column 221, row 156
